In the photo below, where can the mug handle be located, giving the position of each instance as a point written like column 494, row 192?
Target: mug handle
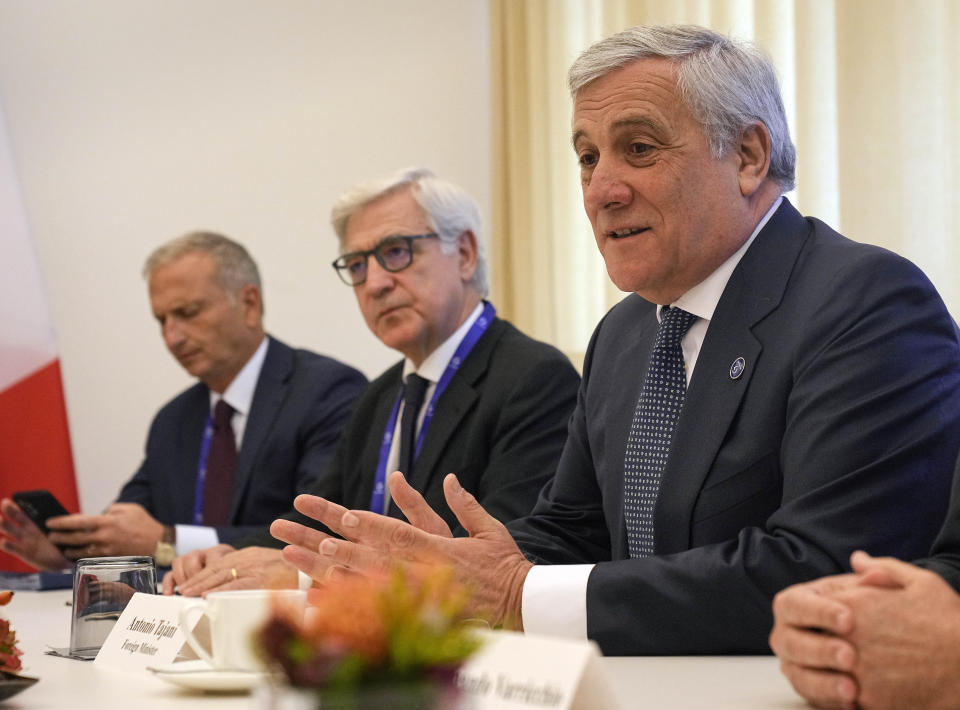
column 187, row 627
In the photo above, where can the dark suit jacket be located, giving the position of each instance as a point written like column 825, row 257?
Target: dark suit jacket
column 945, row 557
column 840, row 434
column 301, row 403
column 500, row 426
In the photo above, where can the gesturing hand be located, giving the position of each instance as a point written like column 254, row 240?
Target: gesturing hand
column 488, row 561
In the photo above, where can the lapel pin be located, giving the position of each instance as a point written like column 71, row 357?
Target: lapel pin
column 737, row 368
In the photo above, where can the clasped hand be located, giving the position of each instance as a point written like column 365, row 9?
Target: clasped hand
column 222, row 568
column 885, row 637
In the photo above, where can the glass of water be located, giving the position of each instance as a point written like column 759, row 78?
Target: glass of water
column 102, row 586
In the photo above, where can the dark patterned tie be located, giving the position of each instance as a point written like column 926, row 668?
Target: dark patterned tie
column 221, row 465
column 413, row 393
column 648, row 445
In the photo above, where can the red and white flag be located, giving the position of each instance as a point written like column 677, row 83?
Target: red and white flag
column 34, row 436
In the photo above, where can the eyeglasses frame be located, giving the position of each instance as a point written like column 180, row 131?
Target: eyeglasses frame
column 341, row 268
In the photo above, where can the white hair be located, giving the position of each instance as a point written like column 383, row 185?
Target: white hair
column 450, row 211
column 235, row 267
column 727, row 84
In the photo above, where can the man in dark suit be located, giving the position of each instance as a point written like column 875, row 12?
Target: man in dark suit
column 284, row 412
column 495, row 404
column 772, row 397
column 883, row 638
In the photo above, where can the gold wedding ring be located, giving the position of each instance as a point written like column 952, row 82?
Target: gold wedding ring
column 233, row 571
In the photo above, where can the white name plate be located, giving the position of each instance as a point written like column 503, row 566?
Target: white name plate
column 146, row 634
column 517, row 671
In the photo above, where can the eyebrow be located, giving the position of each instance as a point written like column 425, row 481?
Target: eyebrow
column 628, row 122
column 383, row 240
column 376, row 245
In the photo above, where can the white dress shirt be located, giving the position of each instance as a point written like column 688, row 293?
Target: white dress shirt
column 239, row 395
column 431, row 369
column 555, row 596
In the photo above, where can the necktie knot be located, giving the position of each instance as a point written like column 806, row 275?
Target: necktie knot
column 414, row 391
column 674, row 324
column 222, row 415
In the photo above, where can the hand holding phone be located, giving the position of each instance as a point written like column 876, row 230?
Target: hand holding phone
column 39, row 506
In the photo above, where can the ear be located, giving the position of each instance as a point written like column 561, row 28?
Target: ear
column 753, row 158
column 467, row 251
column 252, row 302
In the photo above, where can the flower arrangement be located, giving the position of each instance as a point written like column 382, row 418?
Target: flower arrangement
column 376, row 634
column 9, row 653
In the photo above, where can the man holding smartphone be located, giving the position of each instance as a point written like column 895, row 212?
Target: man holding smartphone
column 225, row 456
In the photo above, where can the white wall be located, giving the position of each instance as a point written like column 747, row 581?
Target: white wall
column 133, row 121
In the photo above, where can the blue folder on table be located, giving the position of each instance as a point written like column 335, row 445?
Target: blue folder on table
column 36, row 581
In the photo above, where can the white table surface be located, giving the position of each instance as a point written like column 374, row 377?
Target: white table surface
column 42, row 619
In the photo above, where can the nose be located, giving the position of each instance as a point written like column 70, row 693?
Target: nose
column 605, row 187
column 173, row 334
column 379, row 280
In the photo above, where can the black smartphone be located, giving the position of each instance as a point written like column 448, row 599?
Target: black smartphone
column 38, row 506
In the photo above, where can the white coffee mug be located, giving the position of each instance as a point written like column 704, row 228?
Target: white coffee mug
column 235, row 616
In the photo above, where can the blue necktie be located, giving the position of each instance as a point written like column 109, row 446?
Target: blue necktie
column 648, row 444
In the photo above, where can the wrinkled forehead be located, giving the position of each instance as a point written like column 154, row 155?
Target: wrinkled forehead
column 396, row 213
column 642, row 87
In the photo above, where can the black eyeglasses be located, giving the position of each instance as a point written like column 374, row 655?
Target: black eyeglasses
column 393, row 253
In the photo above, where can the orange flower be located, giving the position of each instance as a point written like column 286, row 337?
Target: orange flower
column 406, row 625
column 348, row 616
column 9, row 653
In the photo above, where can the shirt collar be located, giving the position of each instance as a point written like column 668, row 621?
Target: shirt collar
column 239, row 393
column 436, row 362
column 702, row 299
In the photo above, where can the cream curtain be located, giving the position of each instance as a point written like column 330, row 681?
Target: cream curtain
column 872, row 91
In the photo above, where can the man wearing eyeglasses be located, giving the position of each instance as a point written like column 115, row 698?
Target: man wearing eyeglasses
column 770, row 396
column 472, row 395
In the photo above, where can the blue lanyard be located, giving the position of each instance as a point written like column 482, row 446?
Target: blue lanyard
column 473, row 335
column 202, row 471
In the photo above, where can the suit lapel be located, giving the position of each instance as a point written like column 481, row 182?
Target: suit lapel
column 271, row 390
column 191, row 436
column 755, row 289
column 458, row 399
column 370, row 454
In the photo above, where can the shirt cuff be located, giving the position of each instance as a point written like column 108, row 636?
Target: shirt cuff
column 304, row 580
column 194, row 537
column 555, row 600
